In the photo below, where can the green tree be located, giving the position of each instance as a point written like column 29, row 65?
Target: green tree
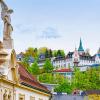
column 31, row 52
column 35, row 53
column 52, row 78
column 25, row 62
column 54, row 53
column 59, row 53
column 42, row 50
column 48, row 67
column 64, row 87
column 50, row 53
column 86, row 80
column 47, row 53
column 62, row 53
column 34, row 68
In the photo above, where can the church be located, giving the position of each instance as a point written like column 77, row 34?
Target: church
column 16, row 83
column 81, row 58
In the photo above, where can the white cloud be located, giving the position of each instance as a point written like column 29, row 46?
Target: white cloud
column 49, row 33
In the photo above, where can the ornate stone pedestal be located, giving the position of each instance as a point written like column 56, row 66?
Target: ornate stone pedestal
column 8, row 44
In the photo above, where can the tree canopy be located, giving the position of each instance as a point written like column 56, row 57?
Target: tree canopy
column 34, row 69
column 48, row 67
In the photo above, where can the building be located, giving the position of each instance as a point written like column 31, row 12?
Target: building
column 16, row 83
column 80, row 58
column 58, row 62
column 41, row 63
column 20, row 56
column 93, row 94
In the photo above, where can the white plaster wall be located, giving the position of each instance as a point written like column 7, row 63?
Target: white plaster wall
column 59, row 64
column 86, row 62
column 69, row 61
column 28, row 94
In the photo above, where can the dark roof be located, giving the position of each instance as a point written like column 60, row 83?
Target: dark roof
column 28, row 80
column 59, row 58
column 84, row 56
column 42, row 56
column 88, row 92
column 41, row 60
column 87, row 57
column 69, row 55
column 31, row 59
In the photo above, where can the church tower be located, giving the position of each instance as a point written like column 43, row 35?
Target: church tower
column 80, row 49
column 76, row 58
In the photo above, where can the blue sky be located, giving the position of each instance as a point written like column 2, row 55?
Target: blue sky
column 57, row 24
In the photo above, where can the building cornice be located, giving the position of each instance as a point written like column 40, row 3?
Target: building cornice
column 22, row 86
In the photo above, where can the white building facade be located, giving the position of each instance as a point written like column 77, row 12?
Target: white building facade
column 78, row 58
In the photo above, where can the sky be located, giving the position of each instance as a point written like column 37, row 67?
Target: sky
column 56, row 24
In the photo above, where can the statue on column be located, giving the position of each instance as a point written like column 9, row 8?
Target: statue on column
column 7, row 30
column 5, row 15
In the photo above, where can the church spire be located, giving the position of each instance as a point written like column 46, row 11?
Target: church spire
column 80, row 46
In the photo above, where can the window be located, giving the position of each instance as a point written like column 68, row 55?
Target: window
column 40, row 99
column 21, row 97
column 32, row 98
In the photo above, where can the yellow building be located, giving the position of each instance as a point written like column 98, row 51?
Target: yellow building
column 15, row 82
column 92, row 95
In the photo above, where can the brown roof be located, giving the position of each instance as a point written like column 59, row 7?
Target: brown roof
column 30, row 81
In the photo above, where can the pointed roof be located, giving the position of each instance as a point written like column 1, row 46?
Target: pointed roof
column 80, row 46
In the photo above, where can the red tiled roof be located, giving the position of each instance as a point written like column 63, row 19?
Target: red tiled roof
column 63, row 70
column 28, row 80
